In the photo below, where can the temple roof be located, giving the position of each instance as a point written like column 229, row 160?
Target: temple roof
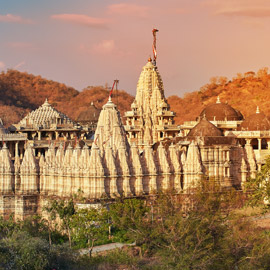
column 257, row 121
column 90, row 115
column 110, row 131
column 205, row 129
column 221, row 112
column 45, row 114
column 150, row 90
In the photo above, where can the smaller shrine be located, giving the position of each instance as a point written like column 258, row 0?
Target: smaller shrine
column 46, row 124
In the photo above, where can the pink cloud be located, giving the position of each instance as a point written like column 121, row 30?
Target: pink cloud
column 103, row 47
column 246, row 12
column 10, row 18
column 2, row 65
column 81, row 20
column 244, row 8
column 128, row 10
column 20, row 65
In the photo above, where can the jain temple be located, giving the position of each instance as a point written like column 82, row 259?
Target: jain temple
column 50, row 156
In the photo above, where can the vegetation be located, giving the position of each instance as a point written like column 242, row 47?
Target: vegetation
column 206, row 230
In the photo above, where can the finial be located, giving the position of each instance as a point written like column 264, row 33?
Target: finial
column 218, row 100
column 154, row 31
column 46, row 103
column 149, row 59
column 257, row 110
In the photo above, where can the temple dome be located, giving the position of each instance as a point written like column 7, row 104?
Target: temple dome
column 257, row 121
column 45, row 114
column 221, row 112
column 90, row 115
column 205, row 129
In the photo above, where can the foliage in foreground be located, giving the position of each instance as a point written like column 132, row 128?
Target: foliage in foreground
column 202, row 231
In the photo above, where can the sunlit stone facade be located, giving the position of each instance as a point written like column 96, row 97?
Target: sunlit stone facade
column 120, row 163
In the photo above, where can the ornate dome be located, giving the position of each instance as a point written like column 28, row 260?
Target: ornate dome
column 43, row 115
column 221, row 112
column 257, row 121
column 90, row 115
column 205, row 129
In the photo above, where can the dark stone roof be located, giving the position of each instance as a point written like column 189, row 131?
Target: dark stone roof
column 221, row 112
column 257, row 121
column 90, row 115
column 205, row 129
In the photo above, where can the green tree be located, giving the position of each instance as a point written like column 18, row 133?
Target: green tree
column 259, row 188
column 63, row 210
column 88, row 226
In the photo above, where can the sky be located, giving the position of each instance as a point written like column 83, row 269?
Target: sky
column 92, row 42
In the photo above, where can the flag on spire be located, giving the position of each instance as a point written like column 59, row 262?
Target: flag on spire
column 154, row 31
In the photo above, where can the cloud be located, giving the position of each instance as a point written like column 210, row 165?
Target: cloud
column 240, row 8
column 128, row 10
column 10, row 18
column 81, row 19
column 19, row 65
column 246, row 12
column 2, row 65
column 103, row 47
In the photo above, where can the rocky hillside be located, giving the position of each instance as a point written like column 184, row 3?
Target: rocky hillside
column 23, row 92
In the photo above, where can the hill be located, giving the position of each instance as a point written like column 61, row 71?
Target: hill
column 244, row 93
column 22, row 92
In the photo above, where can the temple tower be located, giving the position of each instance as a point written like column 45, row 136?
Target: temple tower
column 150, row 119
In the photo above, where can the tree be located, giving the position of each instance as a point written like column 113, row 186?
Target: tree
column 64, row 210
column 89, row 225
column 259, row 187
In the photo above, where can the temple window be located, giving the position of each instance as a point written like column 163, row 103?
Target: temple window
column 254, row 143
column 264, row 144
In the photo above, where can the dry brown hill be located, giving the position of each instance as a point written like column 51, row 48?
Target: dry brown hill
column 22, row 92
column 244, row 93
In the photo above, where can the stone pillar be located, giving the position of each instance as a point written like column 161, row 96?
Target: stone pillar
column 260, row 144
column 268, row 144
column 17, row 149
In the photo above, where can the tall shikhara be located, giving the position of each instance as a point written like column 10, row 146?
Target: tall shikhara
column 150, row 119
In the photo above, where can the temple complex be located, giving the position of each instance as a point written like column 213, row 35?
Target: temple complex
column 50, row 156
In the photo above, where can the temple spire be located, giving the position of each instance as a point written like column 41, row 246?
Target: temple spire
column 258, row 109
